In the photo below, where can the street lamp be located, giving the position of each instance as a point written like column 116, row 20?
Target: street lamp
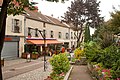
column 44, row 38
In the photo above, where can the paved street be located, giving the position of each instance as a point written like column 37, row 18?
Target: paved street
column 19, row 69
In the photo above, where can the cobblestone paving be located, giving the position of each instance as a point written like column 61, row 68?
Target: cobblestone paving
column 38, row 74
column 19, row 69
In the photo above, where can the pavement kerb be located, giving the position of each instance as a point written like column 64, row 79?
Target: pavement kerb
column 68, row 73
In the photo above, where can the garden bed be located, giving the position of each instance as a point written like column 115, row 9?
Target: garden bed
column 98, row 73
column 68, row 73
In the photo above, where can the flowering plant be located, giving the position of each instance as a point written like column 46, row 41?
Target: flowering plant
column 78, row 53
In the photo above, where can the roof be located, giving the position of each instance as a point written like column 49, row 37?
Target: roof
column 56, row 21
column 35, row 15
column 43, row 18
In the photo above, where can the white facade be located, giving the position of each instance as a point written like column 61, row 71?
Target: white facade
column 61, row 31
column 15, row 34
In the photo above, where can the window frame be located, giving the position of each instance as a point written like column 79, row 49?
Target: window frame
column 67, row 35
column 16, row 26
column 51, row 34
column 59, row 35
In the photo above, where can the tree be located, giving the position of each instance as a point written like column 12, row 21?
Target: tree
column 14, row 7
column 87, row 34
column 83, row 12
column 114, row 22
column 104, row 36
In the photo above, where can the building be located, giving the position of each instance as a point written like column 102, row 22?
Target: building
column 54, row 30
column 14, row 39
column 25, row 29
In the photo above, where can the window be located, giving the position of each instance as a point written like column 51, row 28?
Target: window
column 36, row 34
column 71, row 43
column 74, row 35
column 16, row 26
column 59, row 35
column 29, row 33
column 74, row 43
column 45, row 33
column 67, row 36
column 51, row 34
column 71, row 35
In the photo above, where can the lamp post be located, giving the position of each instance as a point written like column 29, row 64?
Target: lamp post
column 44, row 38
column 44, row 50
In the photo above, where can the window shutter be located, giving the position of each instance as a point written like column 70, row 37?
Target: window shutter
column 20, row 25
column 12, row 28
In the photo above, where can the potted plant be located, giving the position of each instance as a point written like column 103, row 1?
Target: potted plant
column 34, row 55
column 24, row 55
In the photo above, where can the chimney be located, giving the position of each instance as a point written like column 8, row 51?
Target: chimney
column 36, row 9
column 51, row 15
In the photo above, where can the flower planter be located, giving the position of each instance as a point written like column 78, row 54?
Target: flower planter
column 68, row 73
column 66, row 76
column 2, row 61
column 34, row 56
column 24, row 55
column 98, row 73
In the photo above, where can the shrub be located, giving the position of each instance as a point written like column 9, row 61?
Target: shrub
column 78, row 53
column 60, row 65
column 109, row 57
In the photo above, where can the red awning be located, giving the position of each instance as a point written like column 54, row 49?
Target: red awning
column 42, row 42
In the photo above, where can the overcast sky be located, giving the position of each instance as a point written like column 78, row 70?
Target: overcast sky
column 58, row 9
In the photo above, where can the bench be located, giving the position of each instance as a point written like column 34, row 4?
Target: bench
column 2, row 61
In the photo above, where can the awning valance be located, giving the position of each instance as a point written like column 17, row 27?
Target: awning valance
column 39, row 42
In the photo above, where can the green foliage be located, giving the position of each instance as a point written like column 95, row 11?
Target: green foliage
column 115, row 22
column 108, row 57
column 104, row 36
column 60, row 64
column 78, row 53
column 73, row 60
column 17, row 7
column 87, row 34
column 92, row 51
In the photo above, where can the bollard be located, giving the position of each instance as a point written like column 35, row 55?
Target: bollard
column 28, row 58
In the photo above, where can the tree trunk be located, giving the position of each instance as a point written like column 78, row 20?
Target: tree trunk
column 79, row 36
column 3, row 16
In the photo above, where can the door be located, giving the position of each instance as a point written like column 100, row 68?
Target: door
column 10, row 50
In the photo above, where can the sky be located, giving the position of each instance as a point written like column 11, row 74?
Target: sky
column 58, row 9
